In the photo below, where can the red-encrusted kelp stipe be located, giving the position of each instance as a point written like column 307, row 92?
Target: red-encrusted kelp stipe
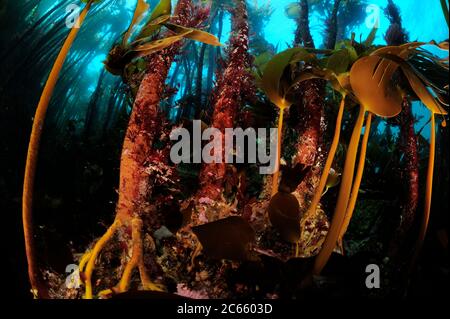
column 396, row 35
column 143, row 167
column 411, row 175
column 145, row 123
column 233, row 85
column 310, row 107
column 303, row 33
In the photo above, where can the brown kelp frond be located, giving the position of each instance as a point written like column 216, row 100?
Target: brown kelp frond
column 37, row 286
column 431, row 89
column 141, row 8
column 284, row 209
column 145, row 44
column 276, row 75
column 429, row 67
column 433, row 72
column 429, row 85
column 159, row 15
column 371, row 81
column 194, row 34
column 158, row 45
column 274, row 85
column 284, row 215
column 230, row 238
column 280, row 80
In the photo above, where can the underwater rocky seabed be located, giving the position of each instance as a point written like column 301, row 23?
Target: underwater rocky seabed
column 162, row 207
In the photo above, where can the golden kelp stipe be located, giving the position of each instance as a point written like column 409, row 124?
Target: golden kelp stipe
column 32, row 156
column 430, row 102
column 276, row 175
column 358, row 179
column 429, row 185
column 119, row 57
column 276, row 90
column 329, row 162
column 136, row 261
column 90, row 257
column 344, row 194
column 370, row 79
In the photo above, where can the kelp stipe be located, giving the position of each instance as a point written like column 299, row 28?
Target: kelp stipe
column 276, row 90
column 328, row 164
column 278, row 83
column 366, row 73
column 159, row 73
column 357, row 181
column 276, row 175
column 409, row 58
column 428, row 189
column 37, row 287
column 344, row 194
column 322, row 188
column 144, row 123
column 90, row 257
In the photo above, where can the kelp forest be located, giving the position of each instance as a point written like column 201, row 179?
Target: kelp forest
column 120, row 180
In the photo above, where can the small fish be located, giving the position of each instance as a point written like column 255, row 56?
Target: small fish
column 333, row 180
